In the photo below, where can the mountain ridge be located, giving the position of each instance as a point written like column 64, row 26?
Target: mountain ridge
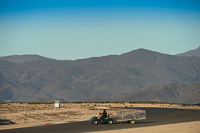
column 23, row 58
column 195, row 52
column 96, row 78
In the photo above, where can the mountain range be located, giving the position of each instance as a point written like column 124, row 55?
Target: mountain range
column 139, row 75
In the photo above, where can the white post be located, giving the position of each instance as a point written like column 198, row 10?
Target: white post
column 57, row 104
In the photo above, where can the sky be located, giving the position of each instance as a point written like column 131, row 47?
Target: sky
column 77, row 29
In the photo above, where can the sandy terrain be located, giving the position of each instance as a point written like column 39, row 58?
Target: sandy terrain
column 190, row 127
column 26, row 114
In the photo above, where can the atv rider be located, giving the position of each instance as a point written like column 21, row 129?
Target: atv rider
column 103, row 115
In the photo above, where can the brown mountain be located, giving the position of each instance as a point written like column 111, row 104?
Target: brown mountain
column 22, row 58
column 195, row 52
column 172, row 93
column 98, row 78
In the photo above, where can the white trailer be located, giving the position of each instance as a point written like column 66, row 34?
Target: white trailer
column 130, row 115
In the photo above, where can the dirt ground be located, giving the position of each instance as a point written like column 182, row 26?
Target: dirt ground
column 190, row 127
column 31, row 114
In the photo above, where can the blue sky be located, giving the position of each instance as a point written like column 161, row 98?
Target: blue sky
column 76, row 29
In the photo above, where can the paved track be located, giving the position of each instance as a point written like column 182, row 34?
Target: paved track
column 155, row 116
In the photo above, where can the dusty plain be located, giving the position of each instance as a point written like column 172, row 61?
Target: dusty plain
column 37, row 114
column 186, row 127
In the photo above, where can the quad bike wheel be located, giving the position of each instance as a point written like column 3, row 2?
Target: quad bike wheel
column 110, row 122
column 132, row 122
column 95, row 122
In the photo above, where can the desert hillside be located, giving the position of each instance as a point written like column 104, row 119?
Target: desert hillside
column 108, row 78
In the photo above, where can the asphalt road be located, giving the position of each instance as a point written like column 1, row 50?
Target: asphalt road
column 155, row 116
